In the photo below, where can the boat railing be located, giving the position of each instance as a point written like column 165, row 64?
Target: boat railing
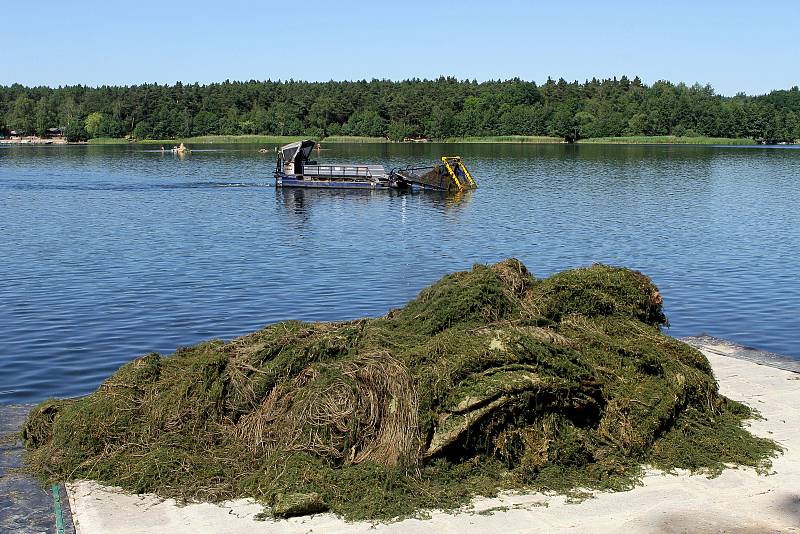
column 414, row 169
column 339, row 171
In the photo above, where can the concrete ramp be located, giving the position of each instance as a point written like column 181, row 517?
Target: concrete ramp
column 713, row 345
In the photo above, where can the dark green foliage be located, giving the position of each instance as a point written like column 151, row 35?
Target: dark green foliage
column 600, row 291
column 481, row 300
column 710, row 445
column 490, row 379
column 437, row 109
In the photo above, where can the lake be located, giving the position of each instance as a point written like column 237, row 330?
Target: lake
column 110, row 252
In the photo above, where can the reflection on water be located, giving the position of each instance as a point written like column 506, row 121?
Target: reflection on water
column 299, row 200
column 111, row 252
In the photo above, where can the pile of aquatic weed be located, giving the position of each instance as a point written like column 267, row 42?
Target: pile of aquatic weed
column 489, row 380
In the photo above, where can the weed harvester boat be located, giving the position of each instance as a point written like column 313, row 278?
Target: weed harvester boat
column 295, row 168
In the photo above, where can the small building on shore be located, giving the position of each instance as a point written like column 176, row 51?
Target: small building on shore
column 54, row 133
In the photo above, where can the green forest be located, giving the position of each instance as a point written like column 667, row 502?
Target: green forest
column 434, row 109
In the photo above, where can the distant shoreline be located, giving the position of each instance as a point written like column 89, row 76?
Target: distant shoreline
column 499, row 139
column 36, row 141
column 504, row 139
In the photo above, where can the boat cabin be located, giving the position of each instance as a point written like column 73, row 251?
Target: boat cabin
column 292, row 158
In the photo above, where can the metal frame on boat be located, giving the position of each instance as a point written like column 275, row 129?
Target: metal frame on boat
column 296, row 169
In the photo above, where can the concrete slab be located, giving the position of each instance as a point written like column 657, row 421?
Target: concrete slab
column 739, row 500
column 722, row 347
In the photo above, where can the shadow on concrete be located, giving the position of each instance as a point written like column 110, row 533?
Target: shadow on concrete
column 682, row 524
column 791, row 506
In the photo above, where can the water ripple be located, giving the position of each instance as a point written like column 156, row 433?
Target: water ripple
column 112, row 252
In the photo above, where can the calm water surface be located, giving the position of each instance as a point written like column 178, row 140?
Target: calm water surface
column 107, row 253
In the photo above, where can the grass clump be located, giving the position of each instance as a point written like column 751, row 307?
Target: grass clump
column 668, row 140
column 507, row 139
column 489, row 380
column 224, row 140
column 109, row 141
column 354, row 139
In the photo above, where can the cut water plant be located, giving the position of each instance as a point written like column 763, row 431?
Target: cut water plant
column 489, row 380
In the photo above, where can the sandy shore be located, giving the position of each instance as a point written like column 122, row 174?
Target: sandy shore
column 739, row 500
column 33, row 141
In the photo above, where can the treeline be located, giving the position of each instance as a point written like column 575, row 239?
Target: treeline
column 441, row 108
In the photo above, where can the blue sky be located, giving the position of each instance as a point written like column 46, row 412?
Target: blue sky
column 735, row 46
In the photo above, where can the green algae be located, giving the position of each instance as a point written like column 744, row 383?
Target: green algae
column 489, row 380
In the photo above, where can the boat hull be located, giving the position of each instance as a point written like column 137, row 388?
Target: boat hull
column 284, row 181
